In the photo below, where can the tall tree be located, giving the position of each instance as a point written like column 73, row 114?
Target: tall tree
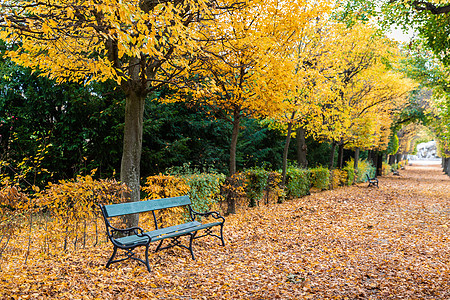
column 240, row 70
column 138, row 44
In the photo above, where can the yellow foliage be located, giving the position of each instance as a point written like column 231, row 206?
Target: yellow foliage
column 13, row 207
column 72, row 41
column 338, row 178
column 72, row 200
column 164, row 186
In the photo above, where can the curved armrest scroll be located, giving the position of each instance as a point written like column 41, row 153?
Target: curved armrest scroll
column 213, row 214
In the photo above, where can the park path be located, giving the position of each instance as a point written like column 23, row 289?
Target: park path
column 391, row 242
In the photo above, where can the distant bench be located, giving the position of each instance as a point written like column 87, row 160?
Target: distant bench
column 130, row 238
column 372, row 181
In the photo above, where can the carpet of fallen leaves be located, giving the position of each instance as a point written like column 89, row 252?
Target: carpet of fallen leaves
column 351, row 243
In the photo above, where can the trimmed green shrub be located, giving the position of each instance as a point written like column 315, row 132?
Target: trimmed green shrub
column 364, row 167
column 350, row 175
column 256, row 183
column 320, row 178
column 297, row 182
column 386, row 168
column 205, row 190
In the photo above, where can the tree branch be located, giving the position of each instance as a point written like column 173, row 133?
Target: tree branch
column 432, row 8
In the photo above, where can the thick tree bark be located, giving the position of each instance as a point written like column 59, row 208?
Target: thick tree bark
column 231, row 201
column 234, row 139
column 333, row 148
column 379, row 164
column 285, row 154
column 302, row 149
column 435, row 9
column 132, row 148
column 446, row 165
column 355, row 163
column 340, row 163
column 392, row 159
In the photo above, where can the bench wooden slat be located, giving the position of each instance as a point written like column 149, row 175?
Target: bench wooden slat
column 165, row 233
column 184, row 231
column 128, row 208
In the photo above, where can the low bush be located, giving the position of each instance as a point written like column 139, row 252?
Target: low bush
column 350, row 175
column 164, row 186
column 338, row 178
column 204, row 190
column 387, row 168
column 256, row 184
column 364, row 167
column 320, row 178
column 297, row 182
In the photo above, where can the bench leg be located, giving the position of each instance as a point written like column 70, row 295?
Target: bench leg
column 146, row 258
column 192, row 236
column 112, row 257
column 221, row 234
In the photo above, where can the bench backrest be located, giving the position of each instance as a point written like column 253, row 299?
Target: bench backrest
column 127, row 208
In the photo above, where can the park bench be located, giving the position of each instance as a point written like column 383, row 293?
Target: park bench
column 372, row 181
column 130, row 238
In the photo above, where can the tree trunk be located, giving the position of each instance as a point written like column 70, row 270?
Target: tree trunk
column 302, row 149
column 379, row 164
column 340, row 164
column 285, row 154
column 446, row 165
column 392, row 159
column 355, row 163
column 333, row 148
column 132, row 148
column 231, row 200
column 234, row 139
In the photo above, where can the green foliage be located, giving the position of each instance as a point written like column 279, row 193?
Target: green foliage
column 297, row 182
column 81, row 123
column 350, row 174
column 351, row 12
column 319, row 153
column 386, row 168
column 256, row 182
column 364, row 167
column 204, row 190
column 320, row 178
column 393, row 144
column 259, row 146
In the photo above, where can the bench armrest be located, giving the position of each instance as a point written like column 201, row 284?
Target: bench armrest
column 214, row 214
column 134, row 230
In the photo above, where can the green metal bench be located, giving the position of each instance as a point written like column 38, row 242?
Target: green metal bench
column 372, row 181
column 130, row 238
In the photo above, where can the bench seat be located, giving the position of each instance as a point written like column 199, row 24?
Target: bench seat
column 129, row 238
column 164, row 233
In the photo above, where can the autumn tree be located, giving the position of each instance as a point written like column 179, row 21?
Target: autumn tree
column 360, row 82
column 239, row 70
column 138, row 44
column 306, row 86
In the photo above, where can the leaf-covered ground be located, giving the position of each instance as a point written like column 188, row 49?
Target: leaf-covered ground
column 351, row 243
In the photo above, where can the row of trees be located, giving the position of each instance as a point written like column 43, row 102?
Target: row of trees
column 298, row 66
column 427, row 62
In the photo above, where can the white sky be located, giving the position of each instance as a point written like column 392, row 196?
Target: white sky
column 399, row 35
